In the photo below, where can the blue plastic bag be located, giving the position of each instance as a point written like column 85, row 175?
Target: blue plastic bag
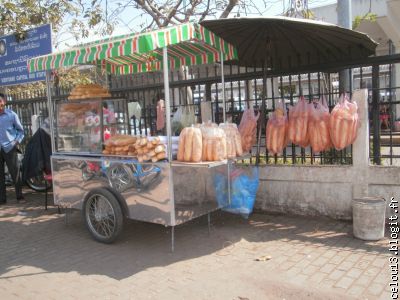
column 244, row 186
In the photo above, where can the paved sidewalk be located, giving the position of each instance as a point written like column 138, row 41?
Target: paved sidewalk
column 265, row 257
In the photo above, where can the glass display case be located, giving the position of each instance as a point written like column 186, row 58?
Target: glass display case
column 82, row 126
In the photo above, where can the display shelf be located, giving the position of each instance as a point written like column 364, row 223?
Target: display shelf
column 80, row 134
column 205, row 164
column 209, row 164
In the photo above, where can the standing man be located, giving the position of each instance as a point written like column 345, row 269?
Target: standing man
column 11, row 134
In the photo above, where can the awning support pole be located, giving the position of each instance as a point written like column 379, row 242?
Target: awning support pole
column 50, row 110
column 167, row 107
column 169, row 139
column 223, row 87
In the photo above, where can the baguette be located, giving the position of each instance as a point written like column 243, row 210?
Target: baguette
column 151, row 153
column 188, row 145
column 159, row 148
column 143, row 141
column 156, row 140
column 197, row 145
column 181, row 147
column 204, row 152
column 161, row 155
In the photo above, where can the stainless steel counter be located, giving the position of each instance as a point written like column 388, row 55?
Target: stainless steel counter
column 162, row 193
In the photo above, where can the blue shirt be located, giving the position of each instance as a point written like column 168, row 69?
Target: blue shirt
column 11, row 130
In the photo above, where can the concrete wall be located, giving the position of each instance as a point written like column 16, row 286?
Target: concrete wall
column 328, row 190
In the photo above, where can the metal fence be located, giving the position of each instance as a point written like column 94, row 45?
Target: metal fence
column 200, row 88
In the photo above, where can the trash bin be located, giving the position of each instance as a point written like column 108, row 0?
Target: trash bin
column 369, row 218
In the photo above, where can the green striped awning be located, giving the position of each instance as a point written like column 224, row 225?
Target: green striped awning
column 188, row 44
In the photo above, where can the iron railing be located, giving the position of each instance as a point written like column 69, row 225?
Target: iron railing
column 245, row 87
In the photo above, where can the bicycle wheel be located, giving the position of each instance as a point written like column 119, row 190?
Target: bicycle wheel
column 120, row 177
column 38, row 183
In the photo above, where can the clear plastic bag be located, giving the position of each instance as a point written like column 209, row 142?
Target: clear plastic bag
column 248, row 129
column 183, row 117
column 318, row 127
column 214, row 142
column 233, row 140
column 276, row 132
column 298, row 123
column 344, row 123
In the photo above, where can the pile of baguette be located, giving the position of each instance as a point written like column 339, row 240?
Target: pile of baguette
column 276, row 131
column 144, row 148
column 233, row 140
column 214, row 143
column 209, row 142
column 344, row 123
column 88, row 91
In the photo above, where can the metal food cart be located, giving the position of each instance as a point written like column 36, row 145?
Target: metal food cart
column 108, row 188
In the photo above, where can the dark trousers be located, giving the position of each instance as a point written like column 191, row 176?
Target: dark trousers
column 11, row 159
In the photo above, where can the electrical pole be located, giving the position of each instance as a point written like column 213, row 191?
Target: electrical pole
column 344, row 20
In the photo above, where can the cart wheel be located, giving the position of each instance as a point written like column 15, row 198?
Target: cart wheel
column 120, row 177
column 103, row 215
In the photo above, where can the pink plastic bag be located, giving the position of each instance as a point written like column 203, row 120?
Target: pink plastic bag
column 344, row 123
column 248, row 129
column 298, row 123
column 276, row 132
column 160, row 115
column 318, row 127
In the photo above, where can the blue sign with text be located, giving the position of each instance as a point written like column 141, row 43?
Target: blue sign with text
column 15, row 54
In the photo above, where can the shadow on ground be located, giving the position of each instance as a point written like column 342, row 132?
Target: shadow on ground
column 31, row 236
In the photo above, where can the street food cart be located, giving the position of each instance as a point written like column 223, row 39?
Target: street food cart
column 108, row 187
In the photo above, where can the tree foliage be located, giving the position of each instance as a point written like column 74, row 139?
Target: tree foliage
column 84, row 18
column 67, row 17
column 369, row 17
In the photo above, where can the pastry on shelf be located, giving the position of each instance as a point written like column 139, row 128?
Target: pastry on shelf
column 88, row 91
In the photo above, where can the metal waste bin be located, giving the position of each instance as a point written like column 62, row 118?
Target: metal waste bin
column 369, row 218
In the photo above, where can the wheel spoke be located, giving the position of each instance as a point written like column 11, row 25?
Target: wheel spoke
column 101, row 216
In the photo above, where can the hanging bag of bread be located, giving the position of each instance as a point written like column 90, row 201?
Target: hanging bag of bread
column 233, row 140
column 276, row 132
column 190, row 145
column 318, row 126
column 343, row 123
column 298, row 123
column 248, row 129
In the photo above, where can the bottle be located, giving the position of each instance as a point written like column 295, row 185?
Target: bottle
column 107, row 134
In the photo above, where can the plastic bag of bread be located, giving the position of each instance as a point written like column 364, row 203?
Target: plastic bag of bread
column 160, row 115
column 214, row 142
column 343, row 123
column 190, row 145
column 248, row 129
column 233, row 140
column 276, row 132
column 298, row 123
column 318, row 127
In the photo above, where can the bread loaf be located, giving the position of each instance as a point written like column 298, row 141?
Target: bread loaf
column 188, row 145
column 197, row 148
column 181, row 146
